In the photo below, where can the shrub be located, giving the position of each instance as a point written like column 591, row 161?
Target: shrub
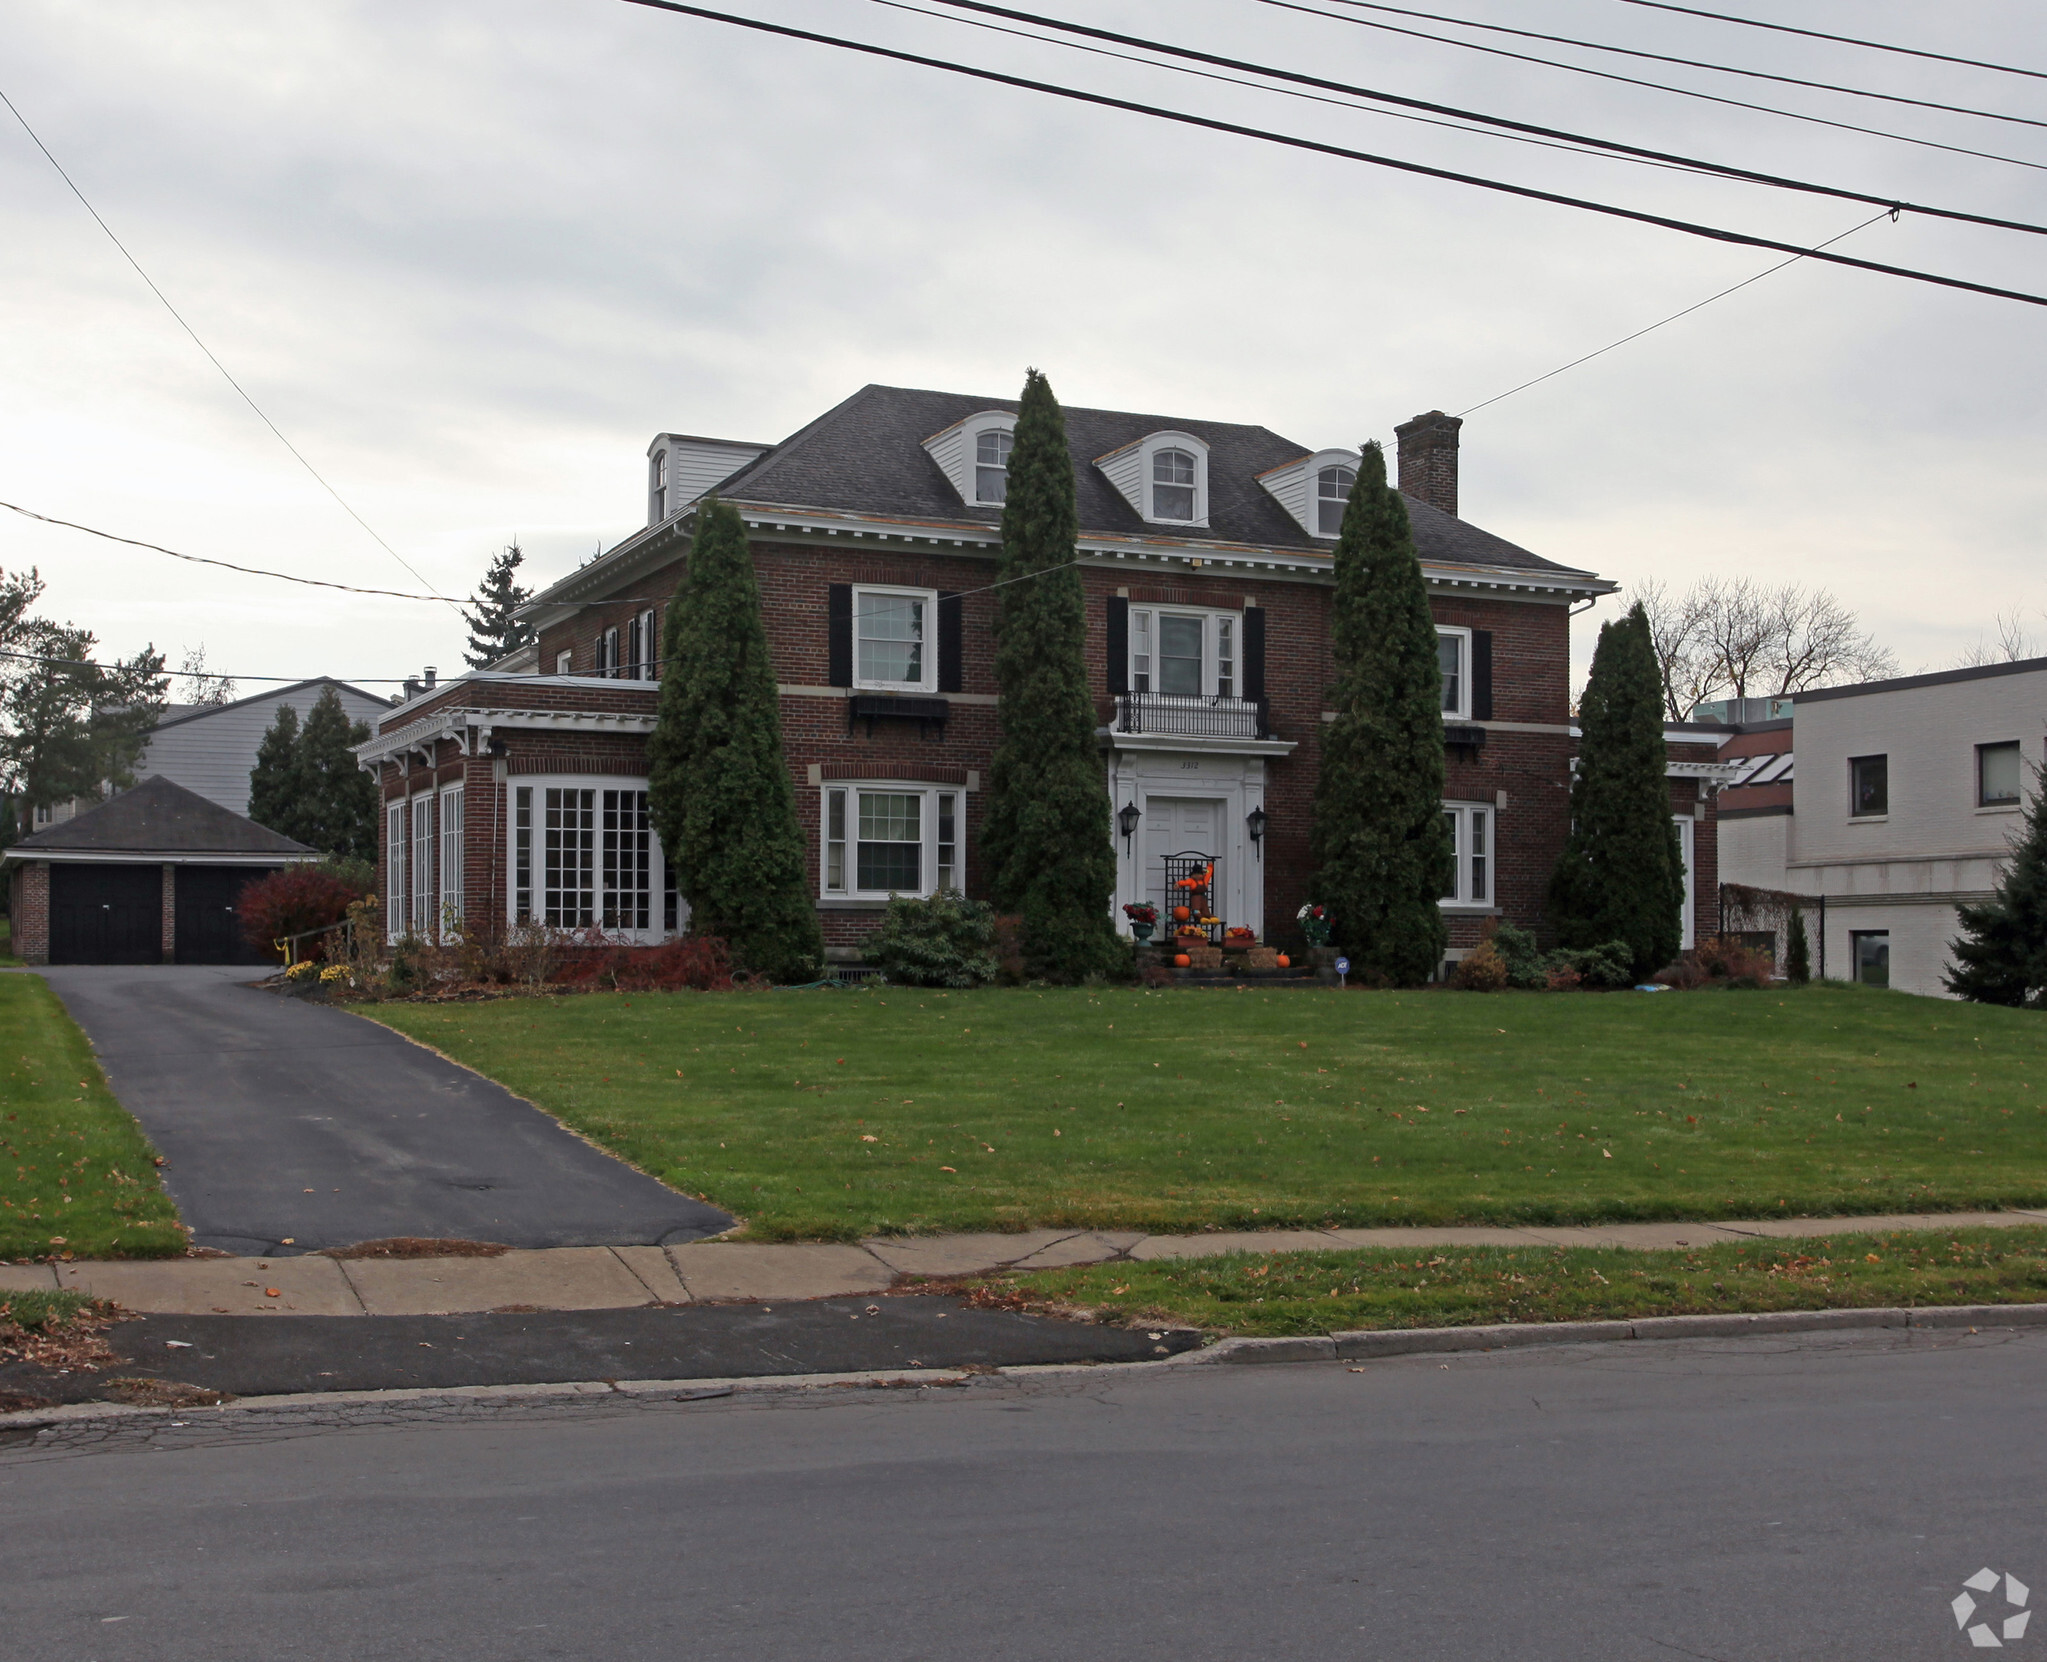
column 1483, row 970
column 946, row 941
column 1798, row 956
column 1724, row 958
column 1526, row 964
column 293, row 900
column 699, row 963
column 1610, row 964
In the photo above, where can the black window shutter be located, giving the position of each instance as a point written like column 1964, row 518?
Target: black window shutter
column 1481, row 675
column 1119, row 644
column 839, row 610
column 1254, row 652
column 951, row 619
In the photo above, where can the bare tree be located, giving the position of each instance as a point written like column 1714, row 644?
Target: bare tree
column 1733, row 637
column 2014, row 642
column 196, row 684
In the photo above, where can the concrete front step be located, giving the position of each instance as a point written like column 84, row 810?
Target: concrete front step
column 714, row 1272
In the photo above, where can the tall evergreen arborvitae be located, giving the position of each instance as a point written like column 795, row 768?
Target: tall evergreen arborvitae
column 1798, row 953
column 718, row 786
column 1621, row 875
column 273, row 781
column 2001, row 954
column 493, row 630
column 1382, row 852
column 1045, row 841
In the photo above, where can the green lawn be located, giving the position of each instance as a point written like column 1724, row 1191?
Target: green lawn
column 7, row 942
column 1336, row 1292
column 839, row 1113
column 76, row 1174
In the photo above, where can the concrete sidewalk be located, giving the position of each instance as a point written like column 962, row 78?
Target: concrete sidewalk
column 723, row 1272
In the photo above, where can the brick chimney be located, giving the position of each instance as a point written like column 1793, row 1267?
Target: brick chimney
column 1428, row 459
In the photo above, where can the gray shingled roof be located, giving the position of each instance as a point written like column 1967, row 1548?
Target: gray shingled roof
column 158, row 817
column 867, row 456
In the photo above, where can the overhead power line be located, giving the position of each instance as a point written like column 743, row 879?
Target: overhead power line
column 1315, row 146
column 1691, row 163
column 1611, row 346
column 1845, row 40
column 1693, row 63
column 203, row 347
column 1654, row 86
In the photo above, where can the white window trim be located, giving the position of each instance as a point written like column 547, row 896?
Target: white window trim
column 927, row 821
column 657, row 486
column 1464, row 900
column 564, row 663
column 1146, row 460
column 425, row 891
column 1211, row 658
column 1462, row 710
column 1317, row 466
column 397, row 868
column 451, row 912
column 973, row 463
column 928, row 682
column 539, row 784
column 650, row 647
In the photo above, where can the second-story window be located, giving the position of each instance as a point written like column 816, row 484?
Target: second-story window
column 1332, row 494
column 1997, row 775
column 564, row 663
column 650, row 647
column 991, row 465
column 1869, row 786
column 1453, row 650
column 1172, row 485
column 892, row 639
column 1184, row 654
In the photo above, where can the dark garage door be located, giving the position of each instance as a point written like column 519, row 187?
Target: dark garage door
column 209, row 928
column 106, row 914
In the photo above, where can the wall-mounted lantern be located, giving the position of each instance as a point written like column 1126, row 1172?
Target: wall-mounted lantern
column 1126, row 822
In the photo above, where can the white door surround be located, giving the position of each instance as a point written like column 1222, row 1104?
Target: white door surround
column 1189, row 802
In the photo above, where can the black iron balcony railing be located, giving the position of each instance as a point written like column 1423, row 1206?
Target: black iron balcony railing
column 1170, row 715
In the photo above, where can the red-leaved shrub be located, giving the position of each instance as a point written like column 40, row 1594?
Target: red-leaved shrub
column 292, row 900
column 698, row 962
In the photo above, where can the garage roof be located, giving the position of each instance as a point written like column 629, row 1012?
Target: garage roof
column 159, row 818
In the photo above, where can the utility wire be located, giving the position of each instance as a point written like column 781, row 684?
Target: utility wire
column 1845, row 40
column 1236, row 129
column 1692, row 63
column 1654, row 86
column 203, row 347
column 1674, row 316
column 1690, row 163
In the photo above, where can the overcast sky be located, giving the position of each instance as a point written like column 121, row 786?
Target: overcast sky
column 471, row 257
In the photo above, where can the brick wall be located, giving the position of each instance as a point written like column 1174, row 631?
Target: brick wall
column 28, row 905
column 170, row 914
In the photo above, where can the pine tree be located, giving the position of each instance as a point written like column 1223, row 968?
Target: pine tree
column 493, row 630
column 1382, row 852
column 1045, row 841
column 1621, row 875
column 273, row 781
column 2001, row 955
column 718, row 786
column 1798, row 953
column 337, row 802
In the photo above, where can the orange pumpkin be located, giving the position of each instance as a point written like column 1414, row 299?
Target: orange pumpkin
column 1181, row 914
column 1181, row 960
column 1285, row 962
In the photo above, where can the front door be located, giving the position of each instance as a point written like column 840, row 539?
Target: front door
column 1179, row 825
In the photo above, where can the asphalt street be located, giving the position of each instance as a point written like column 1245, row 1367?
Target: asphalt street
column 290, row 1126
column 1787, row 1500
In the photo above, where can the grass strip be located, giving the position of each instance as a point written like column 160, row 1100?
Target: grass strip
column 1289, row 1293
column 77, row 1177
column 834, row 1114
column 36, row 1311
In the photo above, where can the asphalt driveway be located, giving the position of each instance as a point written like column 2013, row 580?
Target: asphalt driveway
column 288, row 1127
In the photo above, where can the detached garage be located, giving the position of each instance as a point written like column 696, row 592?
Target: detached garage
column 150, row 877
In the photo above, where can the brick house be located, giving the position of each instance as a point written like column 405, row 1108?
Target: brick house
column 520, row 792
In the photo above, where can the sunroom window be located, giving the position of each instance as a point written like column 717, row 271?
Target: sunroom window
column 1332, row 495
column 991, row 465
column 1172, row 485
column 891, row 639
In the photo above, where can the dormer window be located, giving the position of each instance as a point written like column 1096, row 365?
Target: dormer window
column 1172, row 485
column 657, row 488
column 1332, row 495
column 991, row 465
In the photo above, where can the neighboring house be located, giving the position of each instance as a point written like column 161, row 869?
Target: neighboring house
column 1206, row 558
column 211, row 748
column 1906, row 796
column 150, row 877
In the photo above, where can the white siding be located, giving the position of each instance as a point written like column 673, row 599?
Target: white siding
column 1125, row 469
column 696, row 465
column 1293, row 486
column 952, row 448
column 212, row 752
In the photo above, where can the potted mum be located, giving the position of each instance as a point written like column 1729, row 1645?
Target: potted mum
column 1144, row 917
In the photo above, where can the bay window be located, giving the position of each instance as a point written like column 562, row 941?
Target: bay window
column 1470, row 826
column 890, row 838
column 894, row 649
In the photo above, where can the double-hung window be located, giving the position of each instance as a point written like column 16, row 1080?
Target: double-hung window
column 1453, row 652
column 1470, row 826
column 607, row 652
column 650, row 647
column 1172, row 485
column 1998, row 775
column 394, row 870
column 657, row 488
column 895, row 639
column 888, row 838
column 991, row 465
column 1332, row 496
column 451, row 858
column 564, row 663
column 423, row 919
column 1184, row 654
